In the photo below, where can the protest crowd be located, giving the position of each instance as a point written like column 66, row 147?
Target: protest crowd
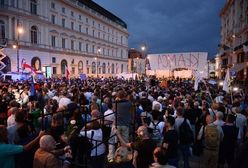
column 118, row 123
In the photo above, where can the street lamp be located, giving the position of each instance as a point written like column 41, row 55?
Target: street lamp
column 98, row 53
column 96, row 66
column 143, row 49
column 17, row 46
column 208, row 68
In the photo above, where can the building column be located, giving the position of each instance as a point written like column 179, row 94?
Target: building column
column 10, row 28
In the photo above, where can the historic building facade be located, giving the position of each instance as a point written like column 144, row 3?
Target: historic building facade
column 51, row 35
column 234, row 40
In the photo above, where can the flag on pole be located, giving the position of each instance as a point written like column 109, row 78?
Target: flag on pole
column 198, row 78
column 67, row 73
column 25, row 65
column 245, row 48
column 226, row 83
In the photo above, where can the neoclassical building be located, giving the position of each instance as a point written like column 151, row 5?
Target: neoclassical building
column 53, row 34
column 234, row 40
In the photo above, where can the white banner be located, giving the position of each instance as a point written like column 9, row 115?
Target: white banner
column 170, row 61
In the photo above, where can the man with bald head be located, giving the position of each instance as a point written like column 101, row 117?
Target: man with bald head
column 213, row 135
column 45, row 156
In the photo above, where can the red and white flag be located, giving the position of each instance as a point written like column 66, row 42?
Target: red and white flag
column 67, row 73
column 25, row 65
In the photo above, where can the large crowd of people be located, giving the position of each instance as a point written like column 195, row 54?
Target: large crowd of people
column 118, row 123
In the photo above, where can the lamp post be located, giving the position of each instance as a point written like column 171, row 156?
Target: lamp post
column 98, row 53
column 143, row 49
column 96, row 67
column 17, row 46
column 208, row 68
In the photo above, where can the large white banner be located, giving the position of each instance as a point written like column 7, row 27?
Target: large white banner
column 170, row 61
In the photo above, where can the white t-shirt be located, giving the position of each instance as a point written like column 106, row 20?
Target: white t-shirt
column 240, row 123
column 64, row 101
column 11, row 120
column 160, row 126
column 219, row 123
column 110, row 117
column 96, row 139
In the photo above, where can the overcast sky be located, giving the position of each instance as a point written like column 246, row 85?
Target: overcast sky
column 170, row 25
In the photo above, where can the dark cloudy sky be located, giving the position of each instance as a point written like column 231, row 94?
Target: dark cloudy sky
column 170, row 25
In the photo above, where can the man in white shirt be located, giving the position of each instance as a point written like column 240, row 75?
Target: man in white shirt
column 11, row 118
column 219, row 119
column 64, row 101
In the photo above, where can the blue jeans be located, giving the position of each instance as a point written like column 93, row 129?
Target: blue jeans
column 185, row 150
column 173, row 162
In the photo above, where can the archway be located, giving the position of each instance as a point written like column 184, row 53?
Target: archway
column 63, row 64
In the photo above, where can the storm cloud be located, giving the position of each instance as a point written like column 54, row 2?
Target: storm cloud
column 170, row 25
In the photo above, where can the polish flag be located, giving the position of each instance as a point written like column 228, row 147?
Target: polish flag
column 25, row 65
column 67, row 73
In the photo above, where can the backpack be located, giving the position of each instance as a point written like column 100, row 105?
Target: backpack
column 155, row 132
column 211, row 137
column 186, row 135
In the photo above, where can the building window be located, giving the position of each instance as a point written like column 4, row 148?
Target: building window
column 2, row 29
column 80, row 46
column 103, row 28
column 80, row 28
column 72, row 44
column 121, row 53
column 87, row 47
column 53, row 60
column 72, row 25
column 87, row 20
column 53, row 38
column 53, row 19
column 53, row 5
column 63, row 64
column 79, row 17
column 121, row 68
column 73, row 70
column 87, row 30
column 93, row 49
column 103, row 36
column 99, row 26
column 93, row 33
column 93, row 68
column 63, row 22
column 80, row 67
column 72, row 13
column 108, row 52
column 99, row 34
column 113, row 68
column 63, row 10
column 54, row 70
column 103, row 68
column 33, row 6
column 34, row 35
column 93, row 23
column 63, row 42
